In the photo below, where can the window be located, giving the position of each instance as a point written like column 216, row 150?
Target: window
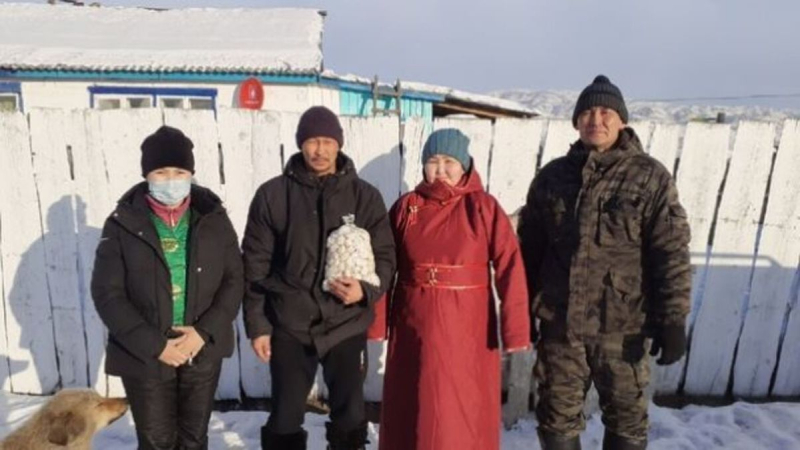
column 8, row 102
column 138, row 102
column 109, row 103
column 201, row 103
column 170, row 102
column 134, row 97
column 11, row 96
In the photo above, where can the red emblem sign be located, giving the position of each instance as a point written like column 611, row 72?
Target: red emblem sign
column 251, row 94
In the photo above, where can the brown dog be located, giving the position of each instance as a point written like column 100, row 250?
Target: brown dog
column 68, row 421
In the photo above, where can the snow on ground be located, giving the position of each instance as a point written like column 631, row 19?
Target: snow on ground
column 741, row 426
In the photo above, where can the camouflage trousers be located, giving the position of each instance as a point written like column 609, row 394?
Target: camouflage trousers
column 618, row 365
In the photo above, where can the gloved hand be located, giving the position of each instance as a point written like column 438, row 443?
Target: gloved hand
column 670, row 340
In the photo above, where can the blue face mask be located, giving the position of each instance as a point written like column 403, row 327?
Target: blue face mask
column 170, row 192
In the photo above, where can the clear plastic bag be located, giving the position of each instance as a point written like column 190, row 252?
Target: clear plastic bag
column 349, row 254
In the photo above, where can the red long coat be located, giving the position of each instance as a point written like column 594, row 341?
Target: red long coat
column 442, row 382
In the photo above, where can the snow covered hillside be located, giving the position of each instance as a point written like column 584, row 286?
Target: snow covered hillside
column 559, row 104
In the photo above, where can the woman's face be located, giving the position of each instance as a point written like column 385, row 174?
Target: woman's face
column 168, row 173
column 444, row 168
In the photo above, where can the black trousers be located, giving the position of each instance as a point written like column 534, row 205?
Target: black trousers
column 174, row 414
column 293, row 366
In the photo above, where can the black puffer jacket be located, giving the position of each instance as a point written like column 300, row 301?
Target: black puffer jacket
column 132, row 290
column 290, row 219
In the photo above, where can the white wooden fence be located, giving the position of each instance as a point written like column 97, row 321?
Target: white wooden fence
column 62, row 171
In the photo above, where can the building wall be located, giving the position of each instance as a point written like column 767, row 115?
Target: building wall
column 277, row 97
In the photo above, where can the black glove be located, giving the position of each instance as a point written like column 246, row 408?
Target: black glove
column 671, row 342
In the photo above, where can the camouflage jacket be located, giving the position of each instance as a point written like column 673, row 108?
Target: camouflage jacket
column 606, row 242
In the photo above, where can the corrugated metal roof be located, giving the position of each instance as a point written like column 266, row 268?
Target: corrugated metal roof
column 47, row 37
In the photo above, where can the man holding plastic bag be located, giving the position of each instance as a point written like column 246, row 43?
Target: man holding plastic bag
column 318, row 252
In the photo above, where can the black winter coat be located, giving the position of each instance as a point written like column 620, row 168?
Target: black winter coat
column 132, row 290
column 288, row 225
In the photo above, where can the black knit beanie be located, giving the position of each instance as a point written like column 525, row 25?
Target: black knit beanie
column 601, row 93
column 167, row 147
column 319, row 121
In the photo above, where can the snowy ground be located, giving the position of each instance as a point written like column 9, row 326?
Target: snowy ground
column 744, row 426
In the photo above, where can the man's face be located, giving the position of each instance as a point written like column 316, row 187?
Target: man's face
column 320, row 155
column 599, row 128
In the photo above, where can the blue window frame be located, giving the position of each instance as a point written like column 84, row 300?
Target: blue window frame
column 154, row 94
column 13, row 88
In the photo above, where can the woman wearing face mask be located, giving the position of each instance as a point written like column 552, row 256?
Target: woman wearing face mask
column 442, row 382
column 167, row 282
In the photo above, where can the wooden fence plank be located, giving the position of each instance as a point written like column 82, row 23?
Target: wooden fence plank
column 30, row 348
column 702, row 166
column 782, row 228
column 515, row 149
column 201, row 128
column 721, row 314
column 248, row 172
column 121, row 135
column 479, row 133
column 560, row 136
column 415, row 133
column 665, row 143
column 56, row 136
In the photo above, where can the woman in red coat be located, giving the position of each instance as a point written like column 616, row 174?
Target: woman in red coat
column 442, row 383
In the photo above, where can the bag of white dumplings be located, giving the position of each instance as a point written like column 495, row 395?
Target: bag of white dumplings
column 349, row 254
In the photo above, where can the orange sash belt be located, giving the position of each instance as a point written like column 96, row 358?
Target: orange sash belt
column 443, row 276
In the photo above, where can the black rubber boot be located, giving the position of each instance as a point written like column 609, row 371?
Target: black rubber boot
column 355, row 439
column 612, row 441
column 552, row 441
column 272, row 441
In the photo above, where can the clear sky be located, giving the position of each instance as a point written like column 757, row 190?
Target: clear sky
column 651, row 49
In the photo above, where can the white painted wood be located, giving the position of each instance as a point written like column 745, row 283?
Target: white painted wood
column 376, row 370
column 664, row 147
column 29, row 330
column 201, row 127
column 287, row 122
column 123, row 134
column 665, row 143
column 644, row 130
column 120, row 136
column 54, row 134
column 415, row 133
column 479, row 132
column 781, row 242
column 786, row 379
column 374, row 146
column 559, row 137
column 721, row 314
column 516, row 147
column 702, row 166
column 92, row 205
column 253, row 165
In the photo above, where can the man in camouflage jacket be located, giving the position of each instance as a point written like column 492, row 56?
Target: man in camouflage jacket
column 605, row 242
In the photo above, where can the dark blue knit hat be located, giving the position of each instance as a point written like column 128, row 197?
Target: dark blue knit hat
column 450, row 142
column 319, row 121
column 600, row 93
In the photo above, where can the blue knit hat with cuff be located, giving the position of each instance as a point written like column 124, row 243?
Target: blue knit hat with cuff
column 450, row 142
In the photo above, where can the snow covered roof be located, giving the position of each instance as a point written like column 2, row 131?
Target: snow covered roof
column 445, row 92
column 48, row 37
